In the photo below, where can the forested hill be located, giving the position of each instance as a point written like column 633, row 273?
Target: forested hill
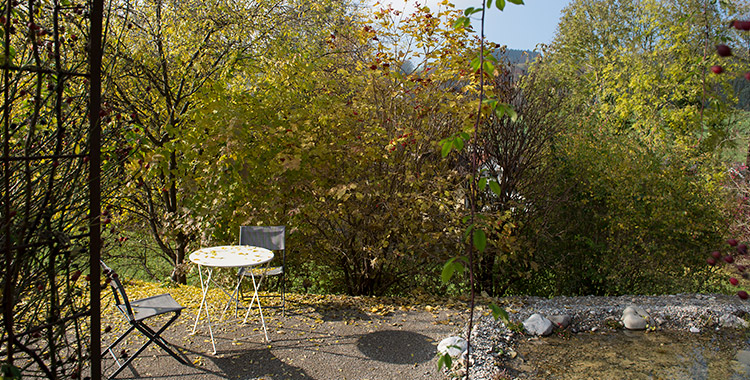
column 515, row 56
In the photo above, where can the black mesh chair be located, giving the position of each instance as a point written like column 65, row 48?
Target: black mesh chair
column 272, row 238
column 136, row 313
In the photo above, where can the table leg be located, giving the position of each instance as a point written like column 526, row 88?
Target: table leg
column 255, row 297
column 204, row 289
column 234, row 297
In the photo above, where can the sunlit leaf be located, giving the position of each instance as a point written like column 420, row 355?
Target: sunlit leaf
column 445, row 361
column 447, row 146
column 489, row 67
column 475, row 63
column 461, row 22
column 482, row 184
column 499, row 313
column 500, row 4
column 512, row 113
column 458, row 143
column 495, row 187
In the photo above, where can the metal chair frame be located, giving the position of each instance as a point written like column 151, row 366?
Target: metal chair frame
column 274, row 239
column 136, row 312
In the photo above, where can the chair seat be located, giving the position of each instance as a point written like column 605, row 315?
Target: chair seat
column 151, row 306
column 270, row 271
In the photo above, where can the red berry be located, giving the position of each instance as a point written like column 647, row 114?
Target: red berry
column 742, row 249
column 711, row 261
column 75, row 276
column 741, row 268
column 729, row 259
column 733, row 281
column 742, row 294
column 733, row 242
column 741, row 25
column 723, row 50
column 747, row 75
column 717, row 69
column 716, row 255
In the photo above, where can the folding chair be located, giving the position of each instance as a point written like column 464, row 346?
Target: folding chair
column 268, row 237
column 136, row 313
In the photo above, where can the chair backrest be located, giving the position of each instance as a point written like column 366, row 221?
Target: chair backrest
column 121, row 298
column 268, row 237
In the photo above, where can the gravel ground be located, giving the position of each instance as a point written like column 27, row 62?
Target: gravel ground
column 494, row 343
column 321, row 338
column 343, row 338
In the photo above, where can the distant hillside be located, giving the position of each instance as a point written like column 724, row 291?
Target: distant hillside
column 515, row 56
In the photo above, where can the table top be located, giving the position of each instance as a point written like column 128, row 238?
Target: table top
column 229, row 256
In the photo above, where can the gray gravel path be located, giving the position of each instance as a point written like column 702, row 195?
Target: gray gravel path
column 330, row 341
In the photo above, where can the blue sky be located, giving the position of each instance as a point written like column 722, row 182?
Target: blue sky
column 518, row 26
column 521, row 26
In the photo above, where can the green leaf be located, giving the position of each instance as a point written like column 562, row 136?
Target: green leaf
column 475, row 63
column 499, row 313
column 516, row 2
column 445, row 360
column 482, row 184
column 500, row 4
column 512, row 113
column 468, row 232
column 471, row 10
column 461, row 22
column 489, row 4
column 500, row 112
column 489, row 67
column 447, row 146
column 490, row 102
column 451, row 267
column 495, row 187
column 480, row 240
column 458, row 143
column 464, row 135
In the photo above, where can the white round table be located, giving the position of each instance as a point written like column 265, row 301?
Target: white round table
column 229, row 256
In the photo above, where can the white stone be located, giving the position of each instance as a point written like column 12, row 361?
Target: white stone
column 562, row 320
column 732, row 321
column 453, row 346
column 536, row 324
column 694, row 329
column 635, row 318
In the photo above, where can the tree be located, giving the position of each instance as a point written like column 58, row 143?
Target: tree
column 348, row 146
column 636, row 176
column 643, row 66
column 168, row 59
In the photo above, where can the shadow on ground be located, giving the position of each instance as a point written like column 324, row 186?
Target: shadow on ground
column 397, row 347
